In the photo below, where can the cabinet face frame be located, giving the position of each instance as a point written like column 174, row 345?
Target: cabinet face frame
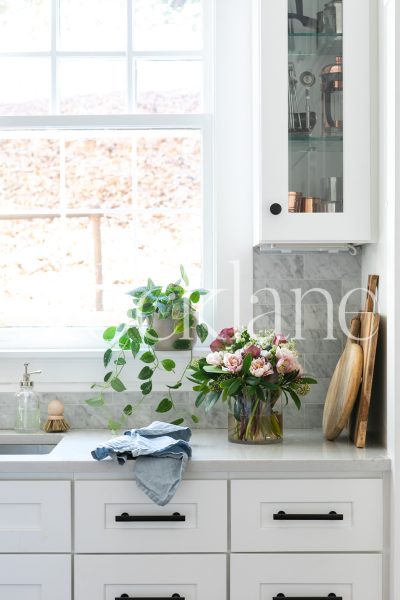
column 271, row 149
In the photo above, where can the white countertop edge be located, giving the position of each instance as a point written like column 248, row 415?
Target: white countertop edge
column 302, row 451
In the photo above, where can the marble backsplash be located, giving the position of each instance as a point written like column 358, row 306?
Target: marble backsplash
column 337, row 273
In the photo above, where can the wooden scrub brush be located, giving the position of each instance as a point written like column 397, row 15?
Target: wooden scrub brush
column 55, row 421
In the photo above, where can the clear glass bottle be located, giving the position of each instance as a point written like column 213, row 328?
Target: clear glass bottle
column 28, row 405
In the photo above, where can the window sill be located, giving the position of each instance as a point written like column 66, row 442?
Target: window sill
column 75, row 370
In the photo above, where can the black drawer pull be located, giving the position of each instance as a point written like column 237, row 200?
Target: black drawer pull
column 329, row 597
column 332, row 516
column 127, row 518
column 127, row 597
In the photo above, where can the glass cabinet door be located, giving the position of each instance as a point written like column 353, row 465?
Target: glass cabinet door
column 315, row 99
column 315, row 106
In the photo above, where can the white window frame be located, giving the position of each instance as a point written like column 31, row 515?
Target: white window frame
column 226, row 126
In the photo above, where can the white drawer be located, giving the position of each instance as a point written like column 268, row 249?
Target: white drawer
column 195, row 577
column 201, row 525
column 264, row 577
column 256, row 504
column 35, row 577
column 35, row 516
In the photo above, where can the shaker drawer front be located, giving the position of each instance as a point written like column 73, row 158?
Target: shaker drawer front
column 35, row 577
column 35, row 516
column 303, row 515
column 115, row 516
column 182, row 577
column 310, row 576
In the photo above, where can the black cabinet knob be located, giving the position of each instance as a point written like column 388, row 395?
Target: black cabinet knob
column 275, row 208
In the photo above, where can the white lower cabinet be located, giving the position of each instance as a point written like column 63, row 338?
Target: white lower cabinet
column 156, row 577
column 306, row 577
column 35, row 577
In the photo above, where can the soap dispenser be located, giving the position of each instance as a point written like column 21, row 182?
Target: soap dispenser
column 28, row 405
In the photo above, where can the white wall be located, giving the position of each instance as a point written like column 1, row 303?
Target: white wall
column 384, row 258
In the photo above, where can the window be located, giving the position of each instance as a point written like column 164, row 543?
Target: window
column 105, row 154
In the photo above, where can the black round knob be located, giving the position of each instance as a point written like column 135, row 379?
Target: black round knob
column 275, row 208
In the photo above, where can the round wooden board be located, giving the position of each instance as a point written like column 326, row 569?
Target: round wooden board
column 343, row 390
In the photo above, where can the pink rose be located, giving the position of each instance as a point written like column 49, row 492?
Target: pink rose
column 224, row 338
column 287, row 361
column 233, row 362
column 255, row 351
column 260, row 368
column 214, row 358
column 279, row 339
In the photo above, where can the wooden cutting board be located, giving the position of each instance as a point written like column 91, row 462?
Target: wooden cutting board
column 344, row 386
column 368, row 342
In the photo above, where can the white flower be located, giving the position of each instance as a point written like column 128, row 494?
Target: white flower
column 259, row 368
column 233, row 362
column 215, row 358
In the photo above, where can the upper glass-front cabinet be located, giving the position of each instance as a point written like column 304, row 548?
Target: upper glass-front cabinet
column 314, row 91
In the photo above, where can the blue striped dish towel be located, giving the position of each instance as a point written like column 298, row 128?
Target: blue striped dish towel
column 162, row 452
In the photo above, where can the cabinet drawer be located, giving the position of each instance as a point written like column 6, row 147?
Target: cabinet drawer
column 195, row 577
column 35, row 577
column 194, row 521
column 35, row 516
column 307, row 524
column 348, row 576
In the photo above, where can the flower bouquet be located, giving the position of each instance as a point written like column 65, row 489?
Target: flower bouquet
column 251, row 373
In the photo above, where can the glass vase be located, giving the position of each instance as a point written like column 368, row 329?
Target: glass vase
column 252, row 420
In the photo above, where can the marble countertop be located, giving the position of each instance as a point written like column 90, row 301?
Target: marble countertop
column 301, row 451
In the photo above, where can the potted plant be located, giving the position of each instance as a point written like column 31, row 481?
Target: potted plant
column 251, row 373
column 162, row 318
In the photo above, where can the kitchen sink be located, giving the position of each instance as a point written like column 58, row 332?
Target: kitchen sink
column 16, row 449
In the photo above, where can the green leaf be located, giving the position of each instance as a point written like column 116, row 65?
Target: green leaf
column 174, row 289
column 131, row 313
column 234, row 387
column 195, row 419
column 168, row 364
column 135, row 348
column 145, row 373
column 107, row 376
column 246, row 364
column 194, row 297
column 113, row 425
column 164, row 406
column 182, row 344
column 109, row 333
column 107, row 357
column 117, row 385
column 211, row 400
column 121, row 327
column 128, row 410
column 176, row 386
column 96, row 401
column 124, row 342
column 309, row 380
column 150, row 337
column 120, row 361
column 295, row 398
column 180, row 326
column 134, row 334
column 148, row 357
column 147, row 308
column 202, row 331
column 200, row 399
column 212, row 369
column 146, row 387
column 183, row 275
column 138, row 292
column 177, row 421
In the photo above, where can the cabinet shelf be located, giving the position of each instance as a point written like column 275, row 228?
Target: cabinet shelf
column 299, row 143
column 315, row 44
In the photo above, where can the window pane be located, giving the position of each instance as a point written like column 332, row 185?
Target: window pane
column 29, row 174
column 30, row 266
column 93, row 25
column 92, row 86
column 169, row 172
column 169, row 86
column 98, row 172
column 161, row 25
column 25, row 86
column 24, row 25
